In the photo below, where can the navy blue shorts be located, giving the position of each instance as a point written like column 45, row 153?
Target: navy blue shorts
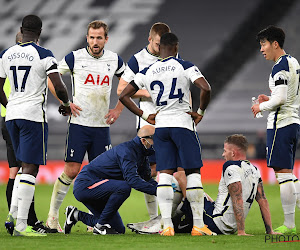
column 282, row 145
column 29, row 140
column 171, row 143
column 82, row 139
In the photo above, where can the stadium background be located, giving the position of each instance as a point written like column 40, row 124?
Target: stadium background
column 217, row 36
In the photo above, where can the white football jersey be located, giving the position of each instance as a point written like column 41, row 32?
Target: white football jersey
column 168, row 82
column 27, row 65
column 235, row 171
column 285, row 71
column 136, row 63
column 91, row 84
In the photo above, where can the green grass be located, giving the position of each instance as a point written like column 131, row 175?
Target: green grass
column 134, row 210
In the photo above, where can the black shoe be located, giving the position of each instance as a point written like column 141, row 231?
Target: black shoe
column 40, row 228
column 104, row 229
column 70, row 219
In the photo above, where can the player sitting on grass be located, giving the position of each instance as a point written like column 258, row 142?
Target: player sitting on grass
column 239, row 185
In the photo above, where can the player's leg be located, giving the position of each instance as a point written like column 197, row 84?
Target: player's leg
column 297, row 187
column 151, row 200
column 166, row 164
column 76, row 146
column 32, row 152
column 189, row 150
column 280, row 156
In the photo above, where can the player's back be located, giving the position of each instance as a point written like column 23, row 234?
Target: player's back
column 168, row 82
column 26, row 65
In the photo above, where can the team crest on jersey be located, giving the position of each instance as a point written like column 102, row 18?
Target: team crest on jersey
column 229, row 173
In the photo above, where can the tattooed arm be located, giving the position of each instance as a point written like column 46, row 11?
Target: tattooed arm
column 236, row 194
column 264, row 208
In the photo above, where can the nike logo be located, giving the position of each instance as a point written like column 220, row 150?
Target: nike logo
column 182, row 226
column 100, row 231
column 68, row 218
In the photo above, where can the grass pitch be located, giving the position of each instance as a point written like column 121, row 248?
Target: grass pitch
column 134, row 210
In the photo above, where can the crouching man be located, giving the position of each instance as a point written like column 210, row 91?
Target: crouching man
column 105, row 183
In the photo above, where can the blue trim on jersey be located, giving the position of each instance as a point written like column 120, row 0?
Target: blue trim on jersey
column 2, row 53
column 184, row 64
column 70, row 60
column 43, row 53
column 229, row 163
column 133, row 65
column 282, row 65
column 120, row 62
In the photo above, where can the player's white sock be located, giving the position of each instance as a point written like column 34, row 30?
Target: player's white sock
column 25, row 194
column 288, row 197
column 60, row 190
column 151, row 203
column 14, row 197
column 297, row 187
column 165, row 196
column 195, row 195
column 177, row 195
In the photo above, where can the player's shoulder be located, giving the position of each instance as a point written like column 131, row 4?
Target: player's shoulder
column 183, row 63
column 228, row 164
column 42, row 52
column 282, row 64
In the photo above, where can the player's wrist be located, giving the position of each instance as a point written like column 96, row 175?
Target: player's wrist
column 66, row 104
column 200, row 112
column 145, row 115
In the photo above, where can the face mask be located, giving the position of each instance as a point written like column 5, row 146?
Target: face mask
column 149, row 151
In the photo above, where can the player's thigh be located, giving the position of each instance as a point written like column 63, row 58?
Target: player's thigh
column 31, row 140
column 100, row 142
column 77, row 142
column 165, row 150
column 188, row 146
column 281, row 146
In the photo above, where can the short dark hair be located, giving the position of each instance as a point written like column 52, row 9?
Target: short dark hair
column 238, row 140
column 32, row 23
column 169, row 39
column 271, row 34
column 159, row 28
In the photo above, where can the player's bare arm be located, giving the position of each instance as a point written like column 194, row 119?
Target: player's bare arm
column 61, row 92
column 125, row 98
column 74, row 108
column 205, row 93
column 236, row 194
column 264, row 208
column 139, row 94
column 113, row 114
column 3, row 98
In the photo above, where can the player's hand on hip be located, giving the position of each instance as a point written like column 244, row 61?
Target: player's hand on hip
column 262, row 98
column 151, row 119
column 196, row 117
column 112, row 116
column 65, row 111
column 75, row 109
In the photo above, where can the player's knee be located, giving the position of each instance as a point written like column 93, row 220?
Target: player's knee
column 125, row 190
column 72, row 169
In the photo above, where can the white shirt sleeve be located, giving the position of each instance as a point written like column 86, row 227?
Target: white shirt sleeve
column 232, row 174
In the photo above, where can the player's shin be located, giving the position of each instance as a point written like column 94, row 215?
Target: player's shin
column 195, row 195
column 14, row 198
column 297, row 187
column 288, row 197
column 60, row 190
column 165, row 197
column 177, row 196
column 25, row 194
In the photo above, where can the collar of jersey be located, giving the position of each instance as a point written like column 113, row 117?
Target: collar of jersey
column 96, row 57
column 150, row 52
column 166, row 59
column 281, row 57
column 25, row 44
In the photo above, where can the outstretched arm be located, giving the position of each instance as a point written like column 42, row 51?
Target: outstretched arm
column 264, row 208
column 236, row 194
